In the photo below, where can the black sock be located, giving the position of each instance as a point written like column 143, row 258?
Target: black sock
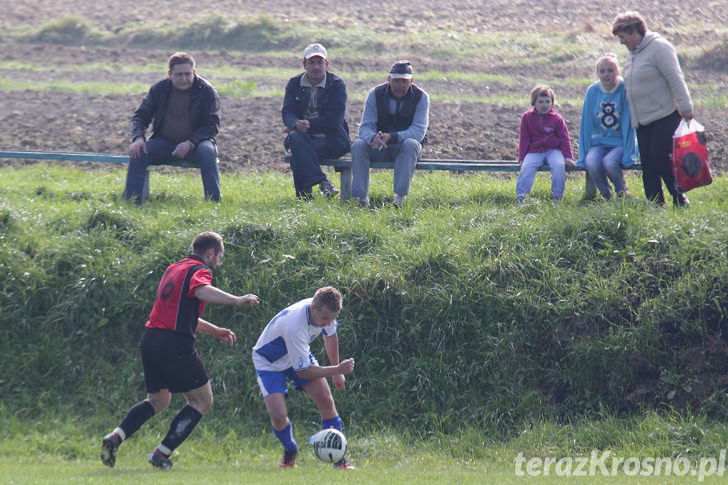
column 181, row 427
column 139, row 414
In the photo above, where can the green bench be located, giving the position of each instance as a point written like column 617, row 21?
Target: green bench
column 343, row 166
column 87, row 157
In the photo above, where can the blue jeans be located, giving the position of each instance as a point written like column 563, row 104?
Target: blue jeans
column 603, row 163
column 555, row 160
column 405, row 156
column 159, row 152
column 305, row 153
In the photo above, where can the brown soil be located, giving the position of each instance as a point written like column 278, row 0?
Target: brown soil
column 251, row 130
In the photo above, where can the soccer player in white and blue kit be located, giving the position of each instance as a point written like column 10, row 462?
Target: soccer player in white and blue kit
column 282, row 352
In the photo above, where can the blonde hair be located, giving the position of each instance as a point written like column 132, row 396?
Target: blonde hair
column 610, row 58
column 542, row 90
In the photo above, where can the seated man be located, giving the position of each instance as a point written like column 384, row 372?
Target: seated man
column 393, row 127
column 184, row 110
column 314, row 112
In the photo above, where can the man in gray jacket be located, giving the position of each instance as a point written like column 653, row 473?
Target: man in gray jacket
column 393, row 128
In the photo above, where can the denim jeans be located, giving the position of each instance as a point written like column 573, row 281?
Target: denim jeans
column 405, row 156
column 555, row 160
column 159, row 152
column 603, row 163
column 305, row 153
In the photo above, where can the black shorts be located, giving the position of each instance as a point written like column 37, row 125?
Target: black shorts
column 171, row 362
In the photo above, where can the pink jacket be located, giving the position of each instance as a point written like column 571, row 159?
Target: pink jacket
column 540, row 133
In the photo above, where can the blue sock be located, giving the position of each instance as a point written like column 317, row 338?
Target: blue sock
column 334, row 422
column 285, row 436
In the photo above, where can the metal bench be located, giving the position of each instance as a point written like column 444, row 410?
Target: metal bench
column 88, row 157
column 343, row 166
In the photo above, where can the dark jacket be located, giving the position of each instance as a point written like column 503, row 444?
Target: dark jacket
column 204, row 110
column 401, row 120
column 331, row 107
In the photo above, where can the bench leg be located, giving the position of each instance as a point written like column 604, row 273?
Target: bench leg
column 145, row 189
column 589, row 187
column 345, row 183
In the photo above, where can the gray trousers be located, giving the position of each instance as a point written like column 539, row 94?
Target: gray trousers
column 404, row 155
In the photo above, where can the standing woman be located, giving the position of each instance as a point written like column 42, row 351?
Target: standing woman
column 658, row 97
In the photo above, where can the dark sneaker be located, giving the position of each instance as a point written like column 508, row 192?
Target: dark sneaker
column 344, row 464
column 328, row 189
column 305, row 194
column 109, row 446
column 289, row 458
column 158, row 460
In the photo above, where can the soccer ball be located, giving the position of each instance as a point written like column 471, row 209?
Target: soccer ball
column 329, row 445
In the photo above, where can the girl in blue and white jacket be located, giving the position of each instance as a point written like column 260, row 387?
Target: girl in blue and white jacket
column 607, row 141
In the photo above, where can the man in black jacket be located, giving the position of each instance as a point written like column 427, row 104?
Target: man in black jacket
column 314, row 112
column 184, row 111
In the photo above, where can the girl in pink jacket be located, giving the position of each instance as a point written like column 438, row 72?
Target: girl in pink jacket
column 544, row 138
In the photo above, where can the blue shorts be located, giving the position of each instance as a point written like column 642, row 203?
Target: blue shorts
column 273, row 381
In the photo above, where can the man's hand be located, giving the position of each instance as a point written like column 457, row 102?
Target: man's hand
column 346, row 366
column 225, row 335
column 137, row 147
column 380, row 140
column 339, row 381
column 248, row 299
column 181, row 150
column 303, row 125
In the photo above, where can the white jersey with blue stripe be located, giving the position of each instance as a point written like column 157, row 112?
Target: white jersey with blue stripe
column 285, row 341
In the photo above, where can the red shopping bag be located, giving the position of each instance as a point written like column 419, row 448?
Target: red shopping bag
column 690, row 156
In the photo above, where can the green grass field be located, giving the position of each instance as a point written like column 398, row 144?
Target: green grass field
column 73, row 255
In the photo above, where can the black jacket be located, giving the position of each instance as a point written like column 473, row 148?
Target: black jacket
column 204, row 110
column 331, row 107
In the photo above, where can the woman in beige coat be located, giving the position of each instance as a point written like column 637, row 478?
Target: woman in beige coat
column 658, row 97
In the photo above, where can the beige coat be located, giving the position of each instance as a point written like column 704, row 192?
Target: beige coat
column 654, row 81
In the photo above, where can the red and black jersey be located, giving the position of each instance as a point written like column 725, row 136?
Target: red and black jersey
column 176, row 307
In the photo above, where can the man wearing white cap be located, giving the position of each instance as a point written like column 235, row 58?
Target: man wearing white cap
column 314, row 112
column 393, row 127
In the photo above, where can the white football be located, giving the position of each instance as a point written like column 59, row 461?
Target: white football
column 329, row 445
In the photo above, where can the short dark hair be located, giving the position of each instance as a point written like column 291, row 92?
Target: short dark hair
column 205, row 241
column 629, row 22
column 180, row 58
column 542, row 90
column 328, row 297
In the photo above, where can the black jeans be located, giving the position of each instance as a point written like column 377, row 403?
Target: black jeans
column 655, row 144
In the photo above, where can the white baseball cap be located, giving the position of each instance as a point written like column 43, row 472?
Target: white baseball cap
column 313, row 50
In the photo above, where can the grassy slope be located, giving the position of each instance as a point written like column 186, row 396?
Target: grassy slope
column 461, row 308
column 463, row 312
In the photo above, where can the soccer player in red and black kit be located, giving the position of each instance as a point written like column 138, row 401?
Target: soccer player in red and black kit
column 171, row 363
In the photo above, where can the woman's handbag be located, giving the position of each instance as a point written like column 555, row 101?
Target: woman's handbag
column 690, row 156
